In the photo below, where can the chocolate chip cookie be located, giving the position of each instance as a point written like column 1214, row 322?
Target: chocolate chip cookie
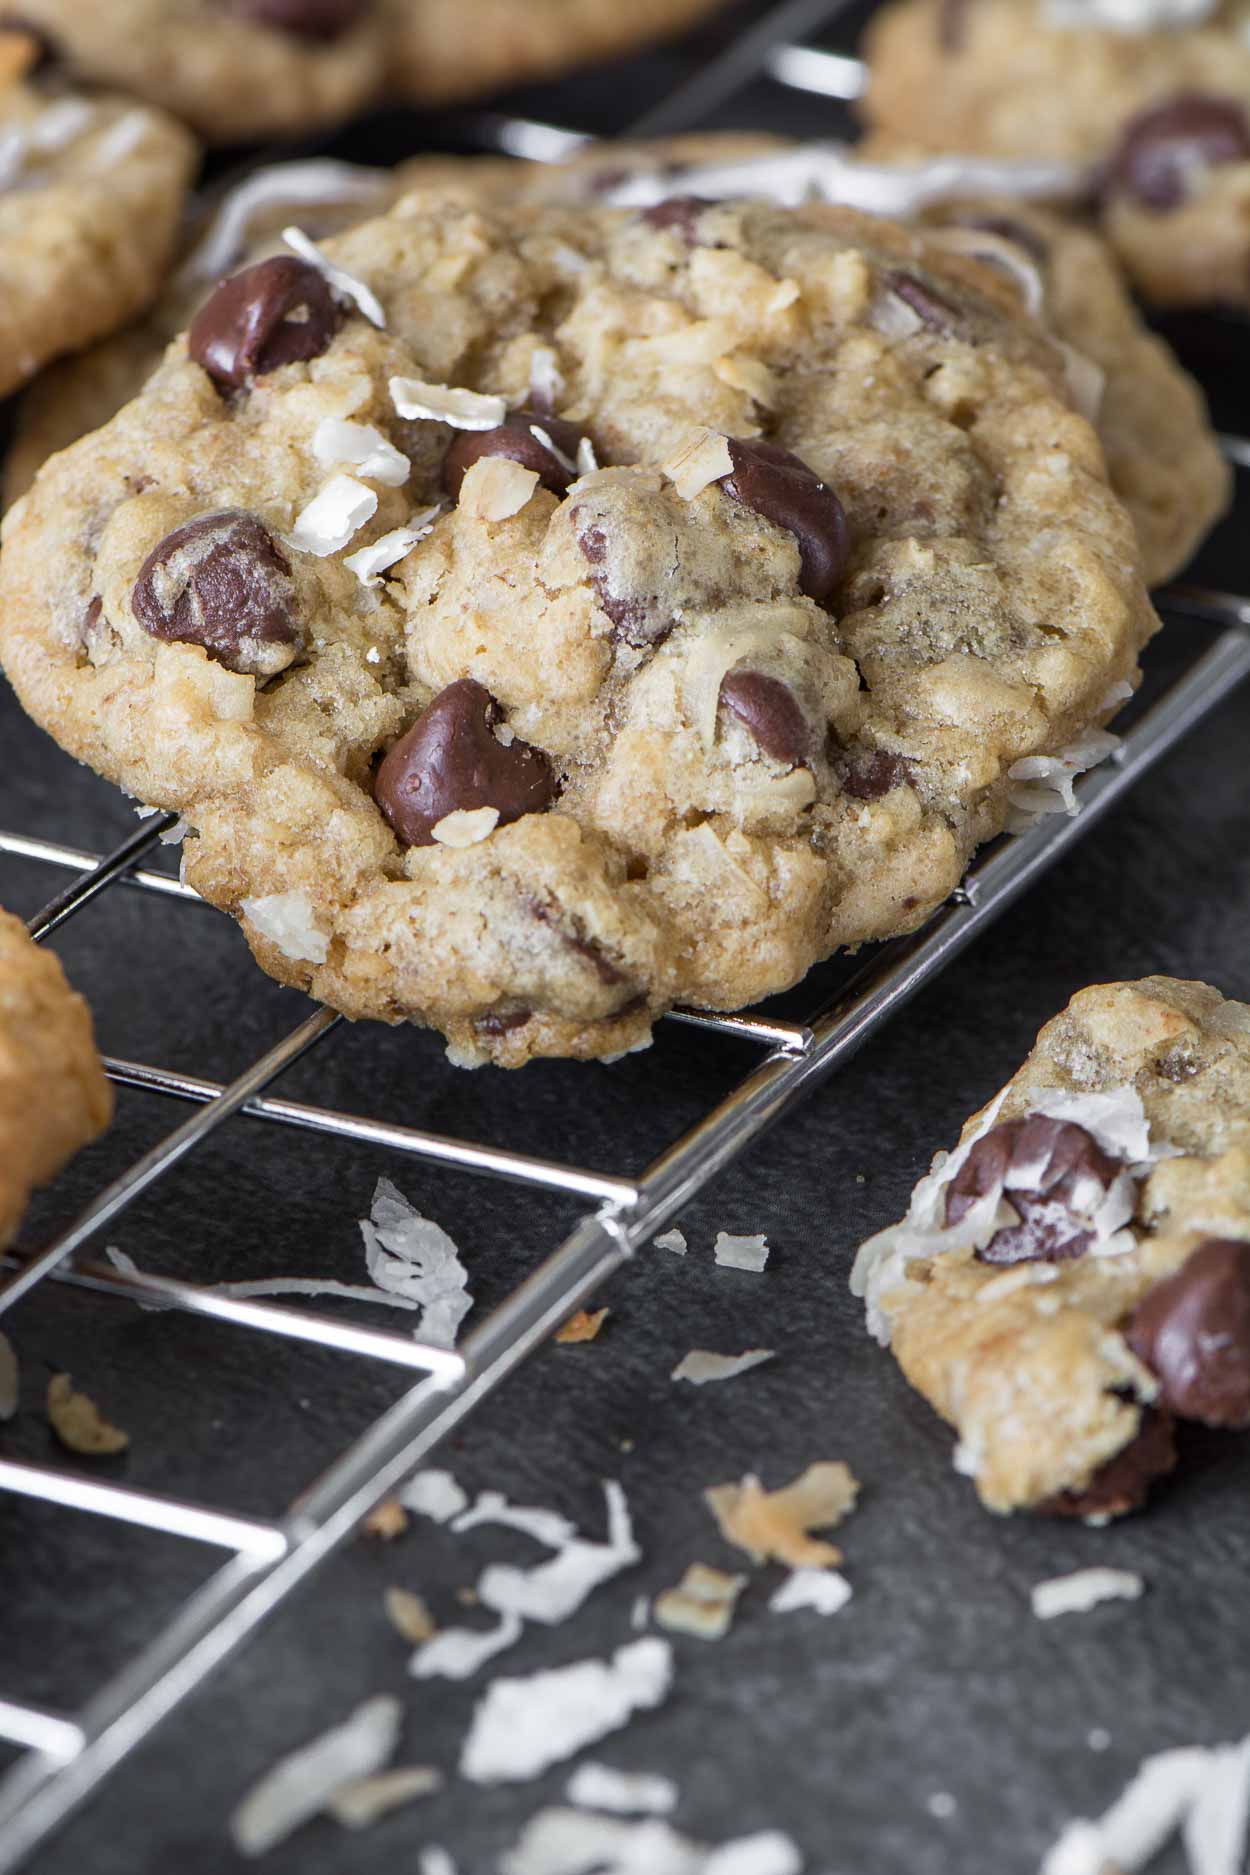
column 1075, row 1275
column 542, row 617
column 53, row 1094
column 91, row 191
column 1154, row 95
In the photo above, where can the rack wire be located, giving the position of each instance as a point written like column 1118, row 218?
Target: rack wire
column 66, row 1756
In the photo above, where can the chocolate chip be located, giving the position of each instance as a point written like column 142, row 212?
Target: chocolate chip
column 869, row 777
column 771, row 713
column 516, row 440
column 90, row 618
column 1051, row 1172
column 926, row 302
column 305, row 19
column 680, row 213
column 502, row 1021
column 641, row 619
column 223, row 583
column 1004, row 228
column 450, row 759
column 952, row 25
column 781, row 488
column 1164, row 149
column 1124, row 1481
column 279, row 312
column 605, row 969
column 1193, row 1332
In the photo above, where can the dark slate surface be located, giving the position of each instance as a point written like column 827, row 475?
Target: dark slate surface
column 936, row 1679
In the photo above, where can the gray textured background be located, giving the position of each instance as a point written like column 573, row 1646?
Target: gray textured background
column 936, row 1678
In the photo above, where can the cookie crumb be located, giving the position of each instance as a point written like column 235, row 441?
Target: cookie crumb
column 584, row 1326
column 78, row 1423
column 387, row 1521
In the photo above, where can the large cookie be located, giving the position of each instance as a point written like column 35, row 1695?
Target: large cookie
column 1153, row 94
column 1077, row 1272
column 670, row 729
column 91, row 191
column 53, row 1094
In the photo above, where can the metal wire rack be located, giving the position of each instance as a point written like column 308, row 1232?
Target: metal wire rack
column 66, row 1756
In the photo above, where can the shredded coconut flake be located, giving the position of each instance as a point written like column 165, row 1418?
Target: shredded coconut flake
column 1133, row 1831
column 10, row 1384
column 552, row 1591
column 336, row 513
column 625, row 1793
column 741, row 1253
column 700, row 1366
column 226, row 235
column 302, row 1785
column 466, row 826
column 523, row 1726
column 702, row 1604
column 774, row 1524
column 340, row 444
column 823, row 1590
column 673, row 1240
column 367, row 1800
column 287, row 919
column 546, row 380
column 698, row 463
column 410, row 1255
column 495, row 488
column 1046, row 783
column 441, row 403
column 369, row 563
column 492, row 1507
column 457, row 1653
column 1075, row 1594
column 433, row 1494
column 346, row 285
column 569, row 1842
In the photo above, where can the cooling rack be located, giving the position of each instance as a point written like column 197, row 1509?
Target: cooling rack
column 65, row 1756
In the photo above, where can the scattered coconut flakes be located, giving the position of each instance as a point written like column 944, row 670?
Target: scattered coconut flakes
column 369, row 563
column 1086, row 380
column 78, row 1423
column 892, row 317
column 1117, row 693
column 704, row 459
column 1132, row 1832
column 10, row 1383
column 495, row 488
column 569, row 1842
column 367, row 1800
column 287, row 919
column 492, row 1507
column 442, row 403
column 774, row 1524
column 435, row 1861
column 1075, row 1594
column 823, row 1590
column 433, row 1494
column 346, row 285
column 584, row 1326
column 554, row 1590
column 302, row 1784
column 409, row 1614
column 749, row 375
column 587, row 460
column 336, row 513
column 741, row 1253
column 128, row 1267
column 386, row 1522
column 1046, row 783
column 702, row 1604
column 673, row 1240
column 640, row 1613
column 700, row 1366
column 412, row 1256
column 311, row 1286
column 1214, row 1831
column 546, row 379
column 523, row 1726
column 547, row 441
column 600, row 1787
column 466, row 826
column 457, row 1653
column 338, row 443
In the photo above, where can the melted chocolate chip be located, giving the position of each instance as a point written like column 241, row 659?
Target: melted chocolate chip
column 1123, row 1482
column 641, row 620
column 516, row 440
column 279, row 312
column 305, row 19
column 1166, row 147
column 680, row 213
column 926, row 302
column 221, row 582
column 781, row 488
column 1049, row 1171
column 450, row 759
column 1193, row 1332
column 771, row 713
column 869, row 777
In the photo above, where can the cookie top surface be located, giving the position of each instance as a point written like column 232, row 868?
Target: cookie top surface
column 53, row 1094
column 91, row 190
column 672, row 728
column 1019, row 1303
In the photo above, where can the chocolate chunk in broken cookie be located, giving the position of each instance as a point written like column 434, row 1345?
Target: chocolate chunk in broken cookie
column 1052, row 1173
column 771, row 714
column 1167, row 149
column 305, row 19
column 279, row 312
column 547, row 445
column 452, row 760
column 221, row 582
column 639, row 618
column 680, row 213
column 1124, row 1482
column 1193, row 1332
column 781, row 488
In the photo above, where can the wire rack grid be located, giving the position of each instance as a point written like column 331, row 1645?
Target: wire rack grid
column 64, row 1756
